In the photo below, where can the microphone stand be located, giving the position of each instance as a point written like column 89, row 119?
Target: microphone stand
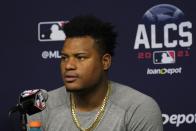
column 23, row 116
column 23, row 121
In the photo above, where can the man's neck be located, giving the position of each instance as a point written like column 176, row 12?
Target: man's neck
column 89, row 101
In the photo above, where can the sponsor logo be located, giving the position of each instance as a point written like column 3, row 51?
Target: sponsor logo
column 164, row 71
column 179, row 119
column 163, row 57
column 163, row 36
column 51, row 31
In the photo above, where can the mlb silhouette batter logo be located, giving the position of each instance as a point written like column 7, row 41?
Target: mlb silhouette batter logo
column 164, row 57
column 51, row 31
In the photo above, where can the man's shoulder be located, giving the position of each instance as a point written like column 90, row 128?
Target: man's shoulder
column 57, row 91
column 138, row 107
column 125, row 96
column 57, row 97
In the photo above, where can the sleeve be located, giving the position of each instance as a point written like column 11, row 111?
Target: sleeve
column 145, row 117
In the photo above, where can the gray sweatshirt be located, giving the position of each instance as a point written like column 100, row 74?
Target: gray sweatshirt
column 126, row 110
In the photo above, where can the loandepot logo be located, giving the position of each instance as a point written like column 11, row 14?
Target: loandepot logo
column 164, row 71
column 163, row 36
column 179, row 119
column 51, row 31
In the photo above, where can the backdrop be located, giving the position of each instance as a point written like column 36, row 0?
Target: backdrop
column 155, row 54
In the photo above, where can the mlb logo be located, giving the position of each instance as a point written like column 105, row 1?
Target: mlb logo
column 39, row 101
column 164, row 57
column 51, row 31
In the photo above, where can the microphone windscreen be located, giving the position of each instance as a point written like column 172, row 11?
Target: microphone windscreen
column 45, row 94
column 33, row 101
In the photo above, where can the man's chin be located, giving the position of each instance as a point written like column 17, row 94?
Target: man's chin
column 74, row 90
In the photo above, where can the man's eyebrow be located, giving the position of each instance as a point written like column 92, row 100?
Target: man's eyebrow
column 78, row 53
column 63, row 54
column 81, row 53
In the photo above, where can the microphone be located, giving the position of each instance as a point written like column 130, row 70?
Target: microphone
column 31, row 101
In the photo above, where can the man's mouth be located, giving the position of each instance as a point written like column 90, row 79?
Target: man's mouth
column 70, row 77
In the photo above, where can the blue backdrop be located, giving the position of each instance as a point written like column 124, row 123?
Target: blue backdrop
column 147, row 30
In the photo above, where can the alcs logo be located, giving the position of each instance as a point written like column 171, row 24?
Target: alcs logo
column 164, row 28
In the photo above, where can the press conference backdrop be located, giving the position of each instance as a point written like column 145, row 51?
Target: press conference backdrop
column 155, row 54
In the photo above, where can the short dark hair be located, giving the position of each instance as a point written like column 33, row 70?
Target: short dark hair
column 88, row 25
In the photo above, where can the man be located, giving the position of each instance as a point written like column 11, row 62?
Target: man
column 89, row 101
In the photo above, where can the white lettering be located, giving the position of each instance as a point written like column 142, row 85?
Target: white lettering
column 179, row 119
column 166, row 118
column 166, row 35
column 141, row 37
column 50, row 54
column 164, row 71
column 153, row 38
column 182, row 30
column 190, row 118
column 173, row 119
column 187, row 34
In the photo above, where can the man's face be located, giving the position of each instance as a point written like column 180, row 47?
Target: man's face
column 82, row 66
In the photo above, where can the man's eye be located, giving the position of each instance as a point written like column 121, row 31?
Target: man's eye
column 81, row 58
column 64, row 58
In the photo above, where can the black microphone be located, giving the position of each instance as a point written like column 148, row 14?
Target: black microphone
column 31, row 101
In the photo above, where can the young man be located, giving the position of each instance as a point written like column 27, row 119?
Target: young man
column 89, row 101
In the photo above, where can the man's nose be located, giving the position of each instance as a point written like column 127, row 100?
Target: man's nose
column 70, row 64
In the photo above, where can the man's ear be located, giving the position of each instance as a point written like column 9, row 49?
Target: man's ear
column 106, row 60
